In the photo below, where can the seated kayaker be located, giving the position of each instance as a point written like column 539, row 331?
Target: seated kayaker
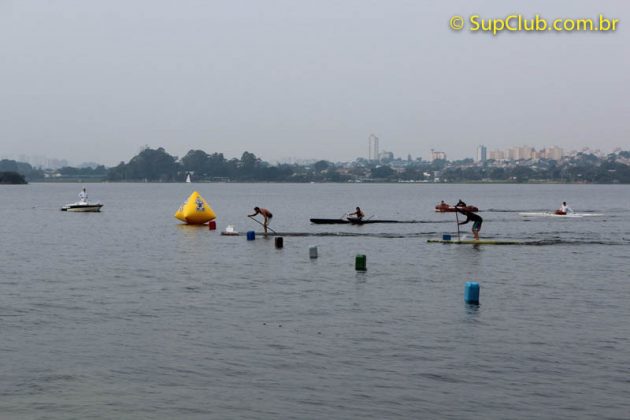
column 462, row 205
column 358, row 214
column 564, row 209
column 443, row 206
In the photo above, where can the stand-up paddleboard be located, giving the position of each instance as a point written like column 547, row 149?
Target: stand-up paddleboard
column 473, row 242
column 195, row 210
column 565, row 216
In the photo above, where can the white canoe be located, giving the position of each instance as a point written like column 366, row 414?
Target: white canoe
column 565, row 216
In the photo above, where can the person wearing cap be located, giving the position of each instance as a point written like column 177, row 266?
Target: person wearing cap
column 265, row 213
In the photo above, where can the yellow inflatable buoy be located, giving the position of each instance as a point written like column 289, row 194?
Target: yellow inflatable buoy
column 195, row 210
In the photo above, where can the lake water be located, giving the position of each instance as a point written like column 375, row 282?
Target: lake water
column 129, row 314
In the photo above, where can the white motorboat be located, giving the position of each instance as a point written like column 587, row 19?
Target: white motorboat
column 83, row 206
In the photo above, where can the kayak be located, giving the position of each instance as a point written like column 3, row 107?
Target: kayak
column 474, row 242
column 446, row 208
column 349, row 221
column 559, row 214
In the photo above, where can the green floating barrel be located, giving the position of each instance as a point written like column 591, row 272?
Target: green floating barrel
column 360, row 262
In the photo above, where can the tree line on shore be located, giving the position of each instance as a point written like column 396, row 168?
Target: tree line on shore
column 157, row 165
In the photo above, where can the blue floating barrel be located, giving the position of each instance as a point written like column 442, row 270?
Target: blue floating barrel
column 251, row 235
column 279, row 242
column 446, row 237
column 471, row 292
column 360, row 263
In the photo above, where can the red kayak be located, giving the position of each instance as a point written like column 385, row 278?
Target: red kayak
column 447, row 208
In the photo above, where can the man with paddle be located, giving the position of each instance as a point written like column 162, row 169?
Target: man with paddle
column 470, row 217
column 266, row 214
column 358, row 215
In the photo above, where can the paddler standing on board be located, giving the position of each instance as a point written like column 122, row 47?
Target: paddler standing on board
column 470, row 217
column 265, row 213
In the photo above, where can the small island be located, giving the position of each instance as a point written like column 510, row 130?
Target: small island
column 12, row 178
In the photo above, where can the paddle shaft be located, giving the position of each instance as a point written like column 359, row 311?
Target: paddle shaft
column 261, row 224
column 457, row 220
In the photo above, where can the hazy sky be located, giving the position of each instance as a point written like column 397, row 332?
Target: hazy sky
column 96, row 80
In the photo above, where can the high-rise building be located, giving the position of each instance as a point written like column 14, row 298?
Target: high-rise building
column 435, row 155
column 498, row 155
column 482, row 153
column 373, row 147
column 554, row 153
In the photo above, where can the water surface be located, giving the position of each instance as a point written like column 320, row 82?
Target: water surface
column 129, row 314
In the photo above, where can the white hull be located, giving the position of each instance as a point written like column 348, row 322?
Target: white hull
column 82, row 207
column 562, row 216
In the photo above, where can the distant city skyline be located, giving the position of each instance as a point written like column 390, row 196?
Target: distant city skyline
column 94, row 81
column 509, row 153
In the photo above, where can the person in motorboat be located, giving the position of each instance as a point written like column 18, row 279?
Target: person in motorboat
column 83, row 197
column 265, row 213
column 564, row 209
column 470, row 217
column 83, row 205
column 357, row 216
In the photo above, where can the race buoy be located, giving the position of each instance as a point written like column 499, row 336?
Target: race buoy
column 312, row 252
column 471, row 292
column 195, row 210
column 251, row 235
column 360, row 263
column 279, row 242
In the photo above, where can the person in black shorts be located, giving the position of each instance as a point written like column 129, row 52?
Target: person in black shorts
column 471, row 217
column 265, row 213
